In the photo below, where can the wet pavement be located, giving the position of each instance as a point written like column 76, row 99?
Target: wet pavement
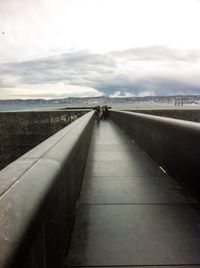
column 130, row 212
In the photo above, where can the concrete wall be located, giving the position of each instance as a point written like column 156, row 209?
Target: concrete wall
column 22, row 131
column 183, row 114
column 38, row 195
column 173, row 144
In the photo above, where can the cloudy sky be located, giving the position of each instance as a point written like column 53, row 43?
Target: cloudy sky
column 61, row 48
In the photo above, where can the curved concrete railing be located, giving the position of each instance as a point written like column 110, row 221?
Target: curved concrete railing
column 174, row 144
column 38, row 195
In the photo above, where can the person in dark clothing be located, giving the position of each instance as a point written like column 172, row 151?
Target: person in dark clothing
column 98, row 114
column 105, row 111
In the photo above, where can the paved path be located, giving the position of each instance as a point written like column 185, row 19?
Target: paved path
column 131, row 213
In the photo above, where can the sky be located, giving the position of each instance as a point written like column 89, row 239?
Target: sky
column 81, row 48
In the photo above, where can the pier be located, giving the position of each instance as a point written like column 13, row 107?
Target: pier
column 124, row 193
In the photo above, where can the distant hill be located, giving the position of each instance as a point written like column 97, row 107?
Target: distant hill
column 106, row 100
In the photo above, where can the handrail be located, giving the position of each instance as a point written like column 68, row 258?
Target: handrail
column 174, row 144
column 38, row 194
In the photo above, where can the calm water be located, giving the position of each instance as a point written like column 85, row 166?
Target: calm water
column 122, row 106
column 28, row 107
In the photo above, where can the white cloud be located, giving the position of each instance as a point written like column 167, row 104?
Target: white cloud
column 123, row 47
column 146, row 93
column 41, row 28
column 119, row 94
column 48, row 91
column 133, row 72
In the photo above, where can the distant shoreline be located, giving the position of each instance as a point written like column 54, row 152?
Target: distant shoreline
column 23, row 107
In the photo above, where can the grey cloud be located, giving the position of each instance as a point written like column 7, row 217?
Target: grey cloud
column 101, row 71
column 160, row 86
column 79, row 67
column 69, row 67
column 4, row 84
column 78, row 60
column 158, row 53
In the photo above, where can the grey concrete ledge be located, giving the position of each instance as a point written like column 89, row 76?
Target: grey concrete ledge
column 173, row 143
column 26, row 184
column 192, row 127
column 16, row 169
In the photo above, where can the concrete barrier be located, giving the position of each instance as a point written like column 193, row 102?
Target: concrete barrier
column 38, row 195
column 183, row 114
column 174, row 144
column 22, row 131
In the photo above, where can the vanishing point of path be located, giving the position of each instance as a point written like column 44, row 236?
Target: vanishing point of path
column 130, row 212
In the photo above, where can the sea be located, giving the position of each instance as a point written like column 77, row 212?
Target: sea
column 29, row 107
column 115, row 106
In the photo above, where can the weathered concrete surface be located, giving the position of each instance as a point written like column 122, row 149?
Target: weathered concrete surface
column 38, row 195
column 173, row 144
column 183, row 114
column 131, row 214
column 21, row 131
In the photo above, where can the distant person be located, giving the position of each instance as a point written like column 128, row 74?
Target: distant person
column 98, row 114
column 105, row 112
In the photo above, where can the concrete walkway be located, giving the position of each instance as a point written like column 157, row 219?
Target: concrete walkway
column 131, row 213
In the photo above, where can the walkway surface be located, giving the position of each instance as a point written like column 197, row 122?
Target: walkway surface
column 130, row 212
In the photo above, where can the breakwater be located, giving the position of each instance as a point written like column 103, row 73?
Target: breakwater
column 22, row 131
column 183, row 114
